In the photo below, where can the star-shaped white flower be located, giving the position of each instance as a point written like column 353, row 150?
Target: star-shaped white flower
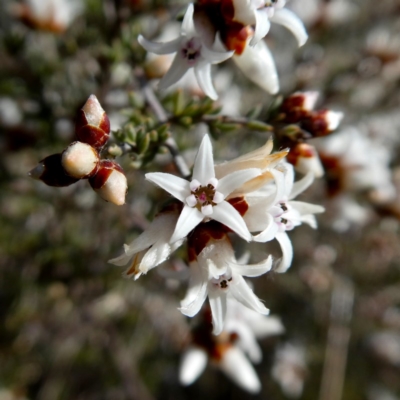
column 204, row 196
column 272, row 211
column 261, row 13
column 191, row 52
column 216, row 273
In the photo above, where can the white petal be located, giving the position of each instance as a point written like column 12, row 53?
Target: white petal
column 218, row 304
column 178, row 187
column 306, row 208
column 188, row 220
column 292, row 22
column 227, row 215
column 238, row 368
column 301, row 185
column 160, row 48
column 309, row 220
column 194, row 184
column 236, row 179
column 259, row 66
column 242, row 293
column 159, row 230
column 187, row 27
column 196, row 293
column 193, row 362
column 203, row 169
column 262, row 26
column 287, row 251
column 202, row 71
column 253, row 270
column 177, row 70
column 269, row 231
column 215, row 57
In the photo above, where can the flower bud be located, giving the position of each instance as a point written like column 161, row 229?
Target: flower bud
column 80, row 160
column 92, row 125
column 51, row 172
column 321, row 123
column 305, row 159
column 110, row 182
column 298, row 106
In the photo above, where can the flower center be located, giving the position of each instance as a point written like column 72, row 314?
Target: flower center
column 191, row 50
column 204, row 198
column 223, row 281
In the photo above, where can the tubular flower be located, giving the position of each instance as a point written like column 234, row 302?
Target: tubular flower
column 215, row 273
column 261, row 13
column 228, row 350
column 204, row 196
column 191, row 52
column 272, row 211
column 152, row 247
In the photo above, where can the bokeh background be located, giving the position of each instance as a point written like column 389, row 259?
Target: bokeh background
column 72, row 328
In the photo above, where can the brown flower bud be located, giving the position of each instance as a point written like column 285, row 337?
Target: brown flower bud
column 322, row 123
column 80, row 160
column 305, row 159
column 298, row 106
column 51, row 172
column 110, row 182
column 92, row 124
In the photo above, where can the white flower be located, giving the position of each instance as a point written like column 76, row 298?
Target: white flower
column 191, row 52
column 215, row 273
column 290, row 369
column 152, row 247
column 260, row 13
column 228, row 350
column 249, row 326
column 272, row 211
column 204, row 197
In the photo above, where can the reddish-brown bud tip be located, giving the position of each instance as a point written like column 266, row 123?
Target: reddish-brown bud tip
column 322, row 123
column 92, row 124
column 51, row 172
column 110, row 182
column 305, row 159
column 298, row 106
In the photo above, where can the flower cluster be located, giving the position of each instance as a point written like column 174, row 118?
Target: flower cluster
column 214, row 31
column 251, row 196
column 81, row 159
column 302, row 122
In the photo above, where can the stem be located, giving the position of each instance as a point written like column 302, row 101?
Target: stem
column 162, row 116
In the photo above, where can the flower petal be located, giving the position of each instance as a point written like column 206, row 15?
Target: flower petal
column 203, row 169
column 301, row 185
column 193, row 362
column 269, row 231
column 259, row 66
column 287, row 251
column 230, row 182
column 227, row 215
column 188, row 220
column 202, row 71
column 292, row 22
column 253, row 270
column 187, row 27
column 160, row 47
column 262, row 26
column 238, row 368
column 215, row 57
column 196, row 293
column 177, row 70
column 306, row 208
column 178, row 187
column 242, row 293
column 218, row 305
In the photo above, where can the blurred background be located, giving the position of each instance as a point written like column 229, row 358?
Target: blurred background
column 72, row 328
